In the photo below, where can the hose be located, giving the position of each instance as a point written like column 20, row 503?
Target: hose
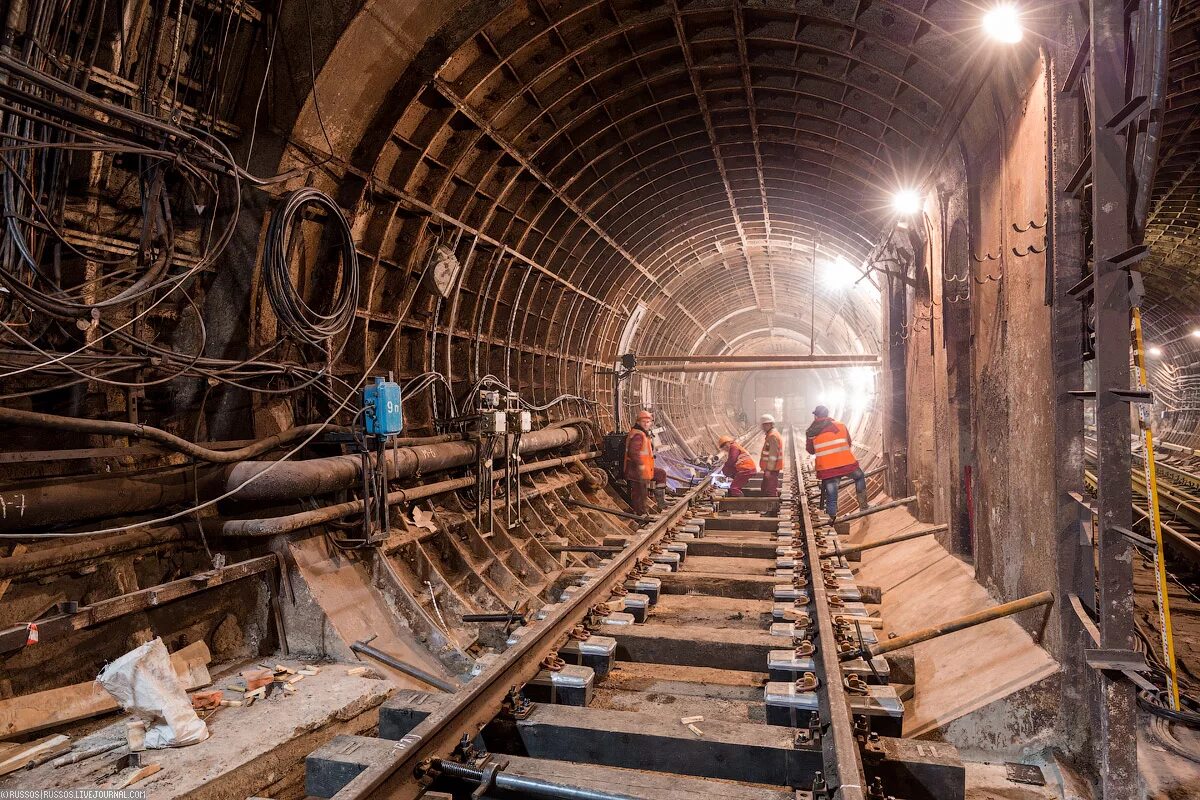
column 35, row 419
column 295, row 315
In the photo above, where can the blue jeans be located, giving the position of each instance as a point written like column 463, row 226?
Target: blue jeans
column 829, row 489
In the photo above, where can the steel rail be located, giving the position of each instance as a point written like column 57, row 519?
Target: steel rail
column 843, row 764
column 481, row 700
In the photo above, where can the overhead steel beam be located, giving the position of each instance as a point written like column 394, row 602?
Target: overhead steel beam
column 749, row 366
column 857, row 358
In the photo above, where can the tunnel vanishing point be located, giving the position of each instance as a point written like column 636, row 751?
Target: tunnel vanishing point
column 597, row 399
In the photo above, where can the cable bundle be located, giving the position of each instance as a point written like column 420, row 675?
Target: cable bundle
column 296, row 316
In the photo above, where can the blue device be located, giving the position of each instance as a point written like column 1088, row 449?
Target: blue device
column 384, row 414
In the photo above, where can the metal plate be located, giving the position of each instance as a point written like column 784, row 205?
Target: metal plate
column 1025, row 773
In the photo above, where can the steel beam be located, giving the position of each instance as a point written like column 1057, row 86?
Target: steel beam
column 481, row 700
column 748, row 366
column 815, row 358
column 1110, row 238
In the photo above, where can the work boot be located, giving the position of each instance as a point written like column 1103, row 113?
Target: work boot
column 863, row 505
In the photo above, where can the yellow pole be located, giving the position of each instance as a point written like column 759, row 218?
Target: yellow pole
column 1160, row 562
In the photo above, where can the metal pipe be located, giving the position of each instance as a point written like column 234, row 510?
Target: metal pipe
column 498, row 616
column 523, row 785
column 606, row 510
column 872, row 510
column 272, row 526
column 408, row 669
column 749, row 366
column 846, row 480
column 816, row 358
column 35, row 419
column 904, row 537
column 294, row 479
column 941, row 629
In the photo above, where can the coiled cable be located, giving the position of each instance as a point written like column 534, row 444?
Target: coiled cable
column 296, row 317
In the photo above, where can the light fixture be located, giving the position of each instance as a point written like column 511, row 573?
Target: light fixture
column 906, row 202
column 1003, row 23
column 1196, row 333
column 1154, row 351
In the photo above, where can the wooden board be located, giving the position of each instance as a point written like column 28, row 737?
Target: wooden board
column 53, row 707
column 15, row 756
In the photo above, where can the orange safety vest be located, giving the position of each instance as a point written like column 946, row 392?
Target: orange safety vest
column 639, row 456
column 738, row 462
column 832, row 448
column 772, row 452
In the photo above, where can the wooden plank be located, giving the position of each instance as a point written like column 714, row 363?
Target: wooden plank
column 56, row 627
column 54, row 707
column 14, row 758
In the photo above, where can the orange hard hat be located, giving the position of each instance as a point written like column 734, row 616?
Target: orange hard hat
column 644, row 414
column 724, row 440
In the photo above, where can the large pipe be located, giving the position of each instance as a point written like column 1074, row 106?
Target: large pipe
column 132, row 430
column 292, row 479
column 904, row 537
column 273, row 526
column 750, row 366
column 968, row 621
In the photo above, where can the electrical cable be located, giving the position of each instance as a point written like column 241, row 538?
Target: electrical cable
column 295, row 315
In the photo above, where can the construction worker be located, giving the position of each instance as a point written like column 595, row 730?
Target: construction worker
column 639, row 462
column 739, row 466
column 771, row 458
column 829, row 441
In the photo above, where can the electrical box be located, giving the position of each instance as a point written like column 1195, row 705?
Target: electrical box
column 520, row 421
column 493, row 423
column 488, row 400
column 384, row 414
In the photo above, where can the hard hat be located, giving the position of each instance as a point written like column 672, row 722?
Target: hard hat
column 821, row 411
column 644, row 414
column 767, row 418
column 724, row 440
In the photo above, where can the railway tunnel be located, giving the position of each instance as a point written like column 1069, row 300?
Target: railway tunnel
column 326, row 328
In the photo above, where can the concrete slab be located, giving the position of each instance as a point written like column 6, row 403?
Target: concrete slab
column 963, row 672
column 724, row 547
column 251, row 750
column 700, row 646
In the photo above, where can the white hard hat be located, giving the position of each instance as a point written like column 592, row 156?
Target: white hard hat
column 767, row 418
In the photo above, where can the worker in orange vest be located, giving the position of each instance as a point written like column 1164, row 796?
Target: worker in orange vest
column 639, row 462
column 771, row 458
column 829, row 441
column 738, row 465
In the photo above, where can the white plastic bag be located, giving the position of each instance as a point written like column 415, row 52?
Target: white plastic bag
column 144, row 683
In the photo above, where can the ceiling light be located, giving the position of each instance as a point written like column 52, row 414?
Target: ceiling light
column 906, row 201
column 1003, row 24
column 1196, row 333
column 1154, row 351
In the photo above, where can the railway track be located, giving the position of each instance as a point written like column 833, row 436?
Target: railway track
column 702, row 658
column 1179, row 503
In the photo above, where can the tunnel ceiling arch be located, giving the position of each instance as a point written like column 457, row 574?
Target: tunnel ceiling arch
column 691, row 156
